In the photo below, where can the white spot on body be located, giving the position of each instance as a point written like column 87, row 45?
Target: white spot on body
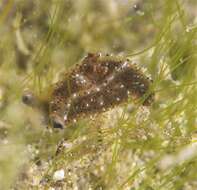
column 105, row 84
column 98, row 89
column 125, row 64
column 80, row 79
column 136, row 83
column 101, row 103
column 118, row 99
column 121, row 86
column 111, row 78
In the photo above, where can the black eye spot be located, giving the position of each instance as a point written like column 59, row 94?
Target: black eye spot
column 27, row 99
column 57, row 124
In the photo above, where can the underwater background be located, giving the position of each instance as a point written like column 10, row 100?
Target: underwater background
column 130, row 146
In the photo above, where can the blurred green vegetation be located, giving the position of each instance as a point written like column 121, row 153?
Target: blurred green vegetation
column 129, row 147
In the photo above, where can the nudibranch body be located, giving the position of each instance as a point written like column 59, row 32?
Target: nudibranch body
column 100, row 82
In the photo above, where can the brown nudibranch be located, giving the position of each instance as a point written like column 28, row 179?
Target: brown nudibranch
column 100, row 82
